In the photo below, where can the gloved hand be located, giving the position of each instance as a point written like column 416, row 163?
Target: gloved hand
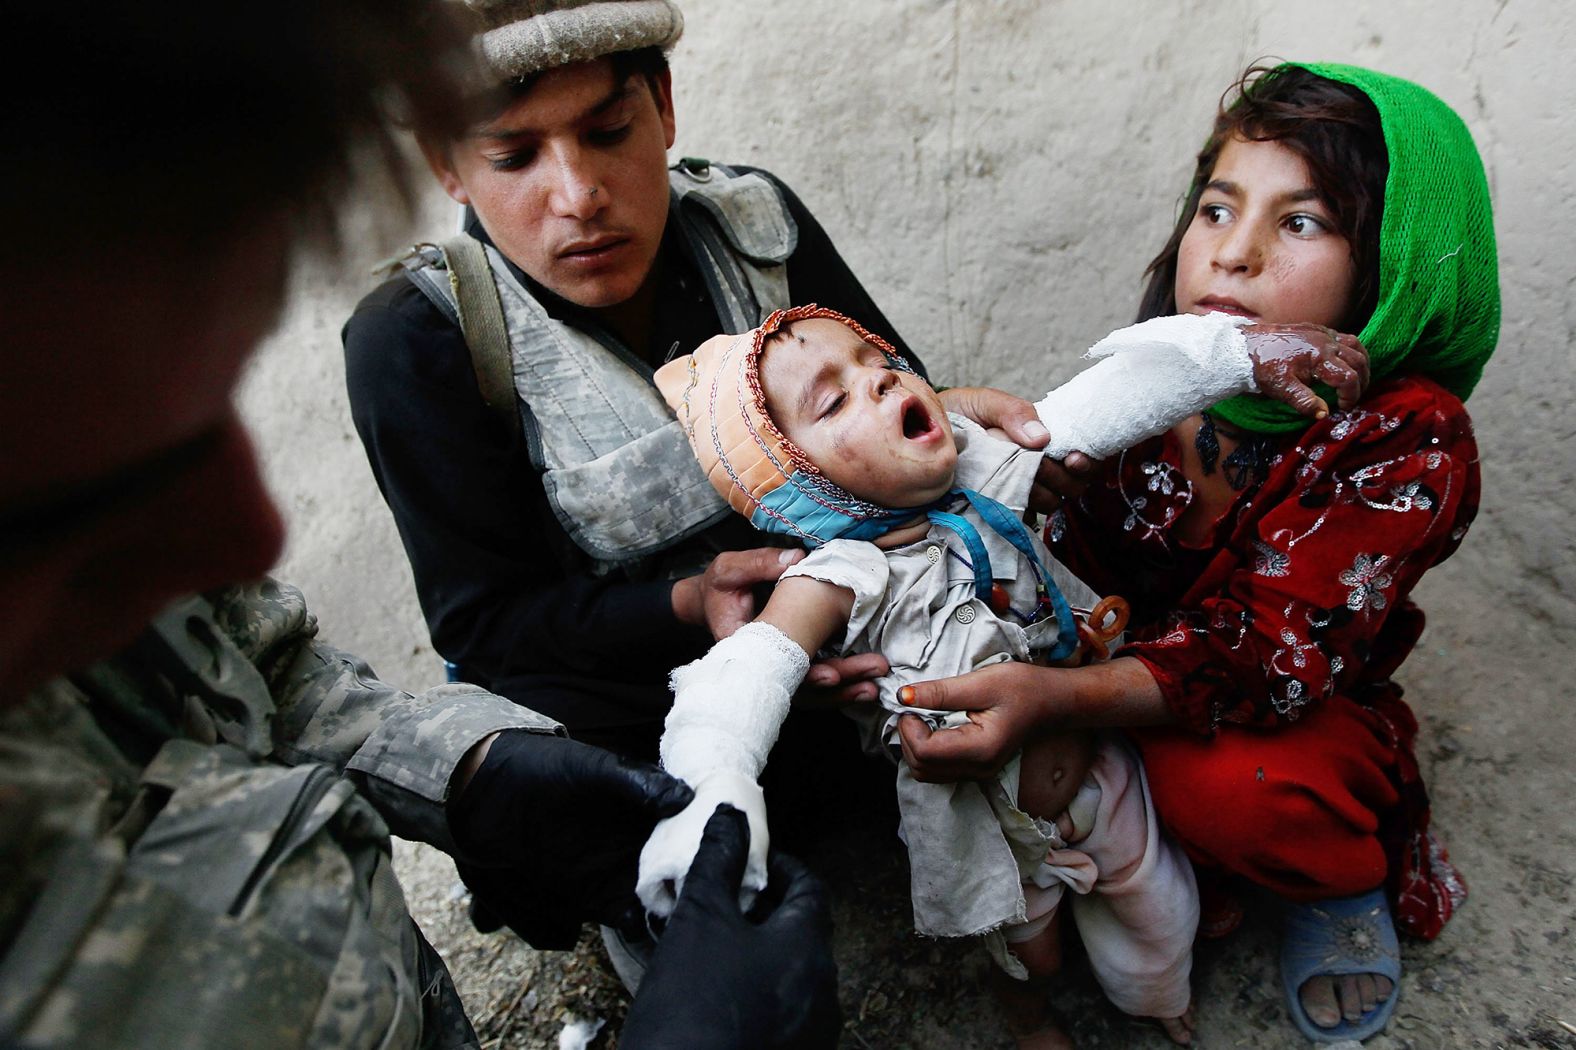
column 549, row 831
column 721, row 980
column 668, row 855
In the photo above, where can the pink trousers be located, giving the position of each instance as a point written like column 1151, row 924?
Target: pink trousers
column 1135, row 902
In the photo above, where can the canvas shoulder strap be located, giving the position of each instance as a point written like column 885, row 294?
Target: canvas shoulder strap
column 471, row 298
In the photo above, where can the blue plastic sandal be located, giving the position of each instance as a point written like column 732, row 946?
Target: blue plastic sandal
column 1336, row 937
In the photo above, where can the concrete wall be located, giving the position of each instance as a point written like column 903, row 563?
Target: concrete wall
column 998, row 173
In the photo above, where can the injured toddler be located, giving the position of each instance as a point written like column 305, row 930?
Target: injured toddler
column 814, row 428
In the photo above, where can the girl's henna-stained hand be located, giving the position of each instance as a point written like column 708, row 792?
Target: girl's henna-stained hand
column 1289, row 358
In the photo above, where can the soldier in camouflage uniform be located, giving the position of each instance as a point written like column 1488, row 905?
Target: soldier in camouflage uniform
column 154, row 806
column 194, row 833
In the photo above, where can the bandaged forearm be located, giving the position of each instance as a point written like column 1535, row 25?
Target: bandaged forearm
column 729, row 705
column 727, row 709
column 1149, row 378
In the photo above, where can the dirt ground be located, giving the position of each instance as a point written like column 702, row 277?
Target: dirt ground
column 1496, row 748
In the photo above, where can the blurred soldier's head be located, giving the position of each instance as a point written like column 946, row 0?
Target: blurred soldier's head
column 162, row 162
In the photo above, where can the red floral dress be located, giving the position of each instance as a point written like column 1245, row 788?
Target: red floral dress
column 1301, row 591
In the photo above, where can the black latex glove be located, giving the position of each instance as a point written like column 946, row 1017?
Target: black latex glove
column 720, row 980
column 549, row 832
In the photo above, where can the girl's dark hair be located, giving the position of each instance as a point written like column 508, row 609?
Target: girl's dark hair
column 1335, row 129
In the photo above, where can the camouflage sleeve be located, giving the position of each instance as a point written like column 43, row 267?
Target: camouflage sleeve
column 402, row 749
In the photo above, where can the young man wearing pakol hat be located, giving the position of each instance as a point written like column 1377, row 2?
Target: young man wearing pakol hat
column 565, row 548
column 567, row 551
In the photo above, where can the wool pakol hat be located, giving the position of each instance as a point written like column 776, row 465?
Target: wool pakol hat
column 521, row 37
column 1438, row 308
column 716, row 394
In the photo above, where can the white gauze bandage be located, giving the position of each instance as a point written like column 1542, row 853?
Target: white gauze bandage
column 1149, row 378
column 727, row 709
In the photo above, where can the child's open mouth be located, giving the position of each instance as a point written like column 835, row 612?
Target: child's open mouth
column 916, row 420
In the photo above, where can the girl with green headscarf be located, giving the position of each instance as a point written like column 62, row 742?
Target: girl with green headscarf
column 1269, row 563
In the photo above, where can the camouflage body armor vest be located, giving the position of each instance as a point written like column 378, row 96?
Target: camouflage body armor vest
column 615, row 464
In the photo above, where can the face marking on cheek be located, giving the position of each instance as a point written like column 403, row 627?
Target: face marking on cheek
column 1287, row 276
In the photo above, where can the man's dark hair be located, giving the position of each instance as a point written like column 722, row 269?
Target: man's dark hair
column 187, row 119
column 1336, row 130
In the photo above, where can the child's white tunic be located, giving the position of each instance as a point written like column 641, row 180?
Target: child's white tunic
column 969, row 845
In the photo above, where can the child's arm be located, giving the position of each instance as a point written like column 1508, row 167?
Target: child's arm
column 727, row 709
column 1153, row 375
column 808, row 611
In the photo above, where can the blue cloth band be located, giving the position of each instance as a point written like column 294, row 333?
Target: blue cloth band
column 815, row 512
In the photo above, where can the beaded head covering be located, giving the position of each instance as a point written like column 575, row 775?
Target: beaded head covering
column 716, row 394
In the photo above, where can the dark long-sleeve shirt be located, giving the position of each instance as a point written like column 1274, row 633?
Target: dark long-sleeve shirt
column 506, row 593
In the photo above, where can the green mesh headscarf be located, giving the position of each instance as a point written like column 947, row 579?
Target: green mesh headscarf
column 1438, row 305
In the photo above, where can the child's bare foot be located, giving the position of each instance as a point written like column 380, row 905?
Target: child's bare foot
column 1026, row 1007
column 1179, row 1029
